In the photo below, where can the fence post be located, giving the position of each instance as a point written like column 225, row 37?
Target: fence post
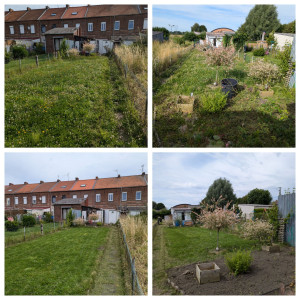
column 37, row 60
column 24, row 234
column 20, row 69
column 42, row 229
column 133, row 275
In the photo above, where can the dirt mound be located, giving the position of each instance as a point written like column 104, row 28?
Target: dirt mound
column 268, row 273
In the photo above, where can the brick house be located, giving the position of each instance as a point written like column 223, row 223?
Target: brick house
column 113, row 196
column 105, row 25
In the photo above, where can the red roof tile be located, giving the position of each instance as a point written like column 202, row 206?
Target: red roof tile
column 118, row 182
column 32, row 14
column 14, row 15
column 28, row 188
column 44, row 187
column 83, row 184
column 71, row 12
column 63, row 186
column 57, row 11
column 11, row 189
column 111, row 10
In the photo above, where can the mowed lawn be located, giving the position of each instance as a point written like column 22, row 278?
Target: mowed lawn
column 70, row 103
column 56, row 264
column 246, row 121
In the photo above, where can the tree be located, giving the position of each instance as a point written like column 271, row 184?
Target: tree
column 287, row 28
column 221, row 188
column 190, row 36
column 164, row 30
column 239, row 40
column 261, row 18
column 259, row 196
column 70, row 218
column 198, row 28
column 214, row 217
column 158, row 206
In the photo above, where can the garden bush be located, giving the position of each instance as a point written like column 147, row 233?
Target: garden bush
column 284, row 59
column 93, row 217
column 87, row 47
column 39, row 48
column 48, row 217
column 11, row 225
column 212, row 102
column 260, row 213
column 70, row 218
column 220, row 57
column 259, row 52
column 259, row 230
column 64, row 47
column 28, row 220
column 238, row 262
column 73, row 52
column 79, row 222
column 264, row 72
column 99, row 223
column 19, row 51
column 7, row 57
column 190, row 36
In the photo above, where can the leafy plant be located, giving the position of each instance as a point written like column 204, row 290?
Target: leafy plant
column 239, row 40
column 7, row 57
column 39, row 48
column 226, row 40
column 284, row 58
column 64, row 47
column 190, row 36
column 70, row 217
column 78, row 222
column 48, row 218
column 259, row 52
column 238, row 262
column 19, row 51
column 99, row 223
column 11, row 225
column 93, row 217
column 213, row 102
column 220, row 57
column 28, row 220
column 264, row 72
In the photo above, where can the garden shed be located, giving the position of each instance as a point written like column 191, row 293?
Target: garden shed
column 183, row 212
column 215, row 37
column 283, row 39
column 248, row 209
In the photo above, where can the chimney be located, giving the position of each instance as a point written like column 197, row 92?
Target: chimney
column 28, row 8
column 143, row 174
column 67, row 5
column 42, row 182
column 119, row 176
column 25, row 182
column 10, row 10
column 47, row 7
column 76, row 178
column 58, row 180
column 10, row 184
column 97, row 177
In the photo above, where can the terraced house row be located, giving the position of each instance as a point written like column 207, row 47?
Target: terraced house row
column 104, row 25
column 109, row 197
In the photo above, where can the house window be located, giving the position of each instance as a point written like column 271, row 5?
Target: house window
column 74, row 196
column 16, row 200
column 53, row 200
column 7, row 201
column 90, row 26
column 124, row 196
column 63, row 197
column 103, row 26
column 117, row 25
column 32, row 29
column 66, row 25
column 43, row 199
column 11, row 30
column 138, row 195
column 98, row 197
column 77, row 25
column 74, row 13
column 24, row 200
column 33, row 199
column 53, row 26
column 110, row 197
column 53, row 14
column 130, row 24
column 43, row 28
column 145, row 25
column 85, row 196
column 22, row 29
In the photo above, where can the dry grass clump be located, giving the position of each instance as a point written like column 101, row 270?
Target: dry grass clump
column 165, row 54
column 136, row 231
column 73, row 52
column 87, row 47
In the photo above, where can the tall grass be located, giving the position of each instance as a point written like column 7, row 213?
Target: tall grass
column 165, row 54
column 136, row 231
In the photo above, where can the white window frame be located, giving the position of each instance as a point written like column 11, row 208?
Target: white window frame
column 124, row 194
column 77, row 25
column 117, row 22
column 90, row 27
column 85, row 196
column 74, row 196
column 66, row 25
column 16, row 200
column 8, row 201
column 98, row 197
column 44, row 199
column 32, row 29
column 103, row 26
column 25, row 200
column 11, row 30
column 131, row 22
column 110, row 197
column 145, row 24
column 136, row 195
column 22, row 29
column 33, row 199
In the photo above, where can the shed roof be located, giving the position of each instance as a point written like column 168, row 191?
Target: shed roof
column 286, row 34
column 62, row 30
column 112, row 10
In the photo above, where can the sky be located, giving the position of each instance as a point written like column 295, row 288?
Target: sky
column 49, row 166
column 185, row 177
column 212, row 16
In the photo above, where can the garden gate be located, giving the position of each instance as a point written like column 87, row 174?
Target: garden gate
column 286, row 206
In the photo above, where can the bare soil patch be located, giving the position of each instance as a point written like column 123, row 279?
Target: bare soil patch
column 269, row 272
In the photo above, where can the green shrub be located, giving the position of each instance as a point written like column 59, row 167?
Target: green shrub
column 213, row 102
column 238, row 262
column 284, row 57
column 19, row 51
column 64, row 47
column 179, row 40
column 99, row 223
column 48, row 217
column 190, row 36
column 11, row 225
column 7, row 57
column 28, row 220
column 259, row 52
column 70, row 218
column 260, row 213
column 39, row 48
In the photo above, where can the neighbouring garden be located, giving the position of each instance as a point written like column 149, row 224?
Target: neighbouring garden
column 190, row 110
column 71, row 100
column 248, row 260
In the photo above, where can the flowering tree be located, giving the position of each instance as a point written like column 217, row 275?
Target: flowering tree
column 215, row 217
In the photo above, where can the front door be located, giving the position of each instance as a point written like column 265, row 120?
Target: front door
column 64, row 213
column 57, row 43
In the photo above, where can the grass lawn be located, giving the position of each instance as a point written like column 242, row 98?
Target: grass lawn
column 178, row 246
column 70, row 103
column 55, row 264
column 246, row 121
